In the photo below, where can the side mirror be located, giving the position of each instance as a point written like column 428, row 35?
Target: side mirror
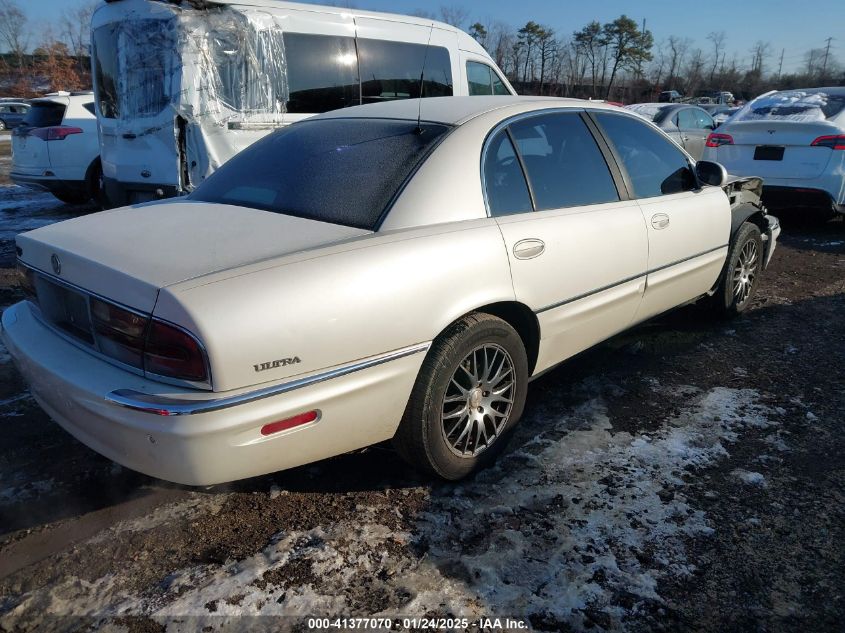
column 711, row 173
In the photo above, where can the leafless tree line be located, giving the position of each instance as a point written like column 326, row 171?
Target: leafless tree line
column 56, row 58
column 621, row 61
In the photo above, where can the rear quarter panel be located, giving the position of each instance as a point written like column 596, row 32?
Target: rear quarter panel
column 340, row 304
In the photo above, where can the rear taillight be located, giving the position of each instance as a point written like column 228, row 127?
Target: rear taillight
column 173, row 353
column 56, row 133
column 836, row 141
column 25, row 280
column 119, row 333
column 717, row 140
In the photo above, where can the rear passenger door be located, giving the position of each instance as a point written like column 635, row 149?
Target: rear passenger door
column 577, row 247
column 688, row 225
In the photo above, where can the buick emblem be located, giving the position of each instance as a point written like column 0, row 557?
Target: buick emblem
column 56, row 263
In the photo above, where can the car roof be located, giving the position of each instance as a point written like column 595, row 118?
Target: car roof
column 455, row 110
column 831, row 90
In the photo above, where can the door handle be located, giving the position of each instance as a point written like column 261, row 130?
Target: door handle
column 528, row 249
column 659, row 221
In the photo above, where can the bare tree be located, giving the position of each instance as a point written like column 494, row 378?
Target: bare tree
column 454, row 15
column 13, row 29
column 677, row 51
column 694, row 72
column 500, row 39
column 759, row 53
column 717, row 38
column 75, row 26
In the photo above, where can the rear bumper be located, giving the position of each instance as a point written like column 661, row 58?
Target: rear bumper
column 122, row 194
column 207, row 445
column 51, row 184
column 780, row 197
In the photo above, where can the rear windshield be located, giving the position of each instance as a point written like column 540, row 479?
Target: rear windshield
column 44, row 114
column 793, row 105
column 342, row 171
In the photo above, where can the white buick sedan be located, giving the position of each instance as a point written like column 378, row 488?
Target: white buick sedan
column 367, row 275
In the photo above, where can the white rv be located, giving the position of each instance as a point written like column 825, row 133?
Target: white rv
column 183, row 86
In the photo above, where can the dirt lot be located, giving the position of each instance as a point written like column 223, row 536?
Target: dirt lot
column 688, row 475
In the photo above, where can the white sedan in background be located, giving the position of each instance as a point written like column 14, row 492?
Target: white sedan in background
column 795, row 141
column 365, row 275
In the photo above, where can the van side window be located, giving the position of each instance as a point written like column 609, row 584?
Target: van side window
column 655, row 164
column 322, row 72
column 392, row 70
column 564, row 164
column 504, row 182
column 483, row 80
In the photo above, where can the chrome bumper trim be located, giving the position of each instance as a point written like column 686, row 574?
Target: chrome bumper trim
column 167, row 406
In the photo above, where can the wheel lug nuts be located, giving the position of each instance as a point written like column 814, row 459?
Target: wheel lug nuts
column 481, row 409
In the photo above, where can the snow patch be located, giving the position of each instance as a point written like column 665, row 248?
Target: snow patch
column 750, row 478
column 576, row 517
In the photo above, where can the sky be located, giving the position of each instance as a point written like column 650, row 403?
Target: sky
column 791, row 26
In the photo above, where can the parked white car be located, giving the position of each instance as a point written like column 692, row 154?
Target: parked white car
column 795, row 141
column 56, row 148
column 363, row 276
column 183, row 86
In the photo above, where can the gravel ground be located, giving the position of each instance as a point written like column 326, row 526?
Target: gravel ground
column 687, row 475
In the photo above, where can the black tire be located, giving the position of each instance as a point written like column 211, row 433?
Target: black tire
column 71, row 197
column 730, row 300
column 94, row 184
column 421, row 438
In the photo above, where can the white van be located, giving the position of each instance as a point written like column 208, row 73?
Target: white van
column 183, row 87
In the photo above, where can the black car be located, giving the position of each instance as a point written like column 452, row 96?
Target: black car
column 688, row 124
column 12, row 114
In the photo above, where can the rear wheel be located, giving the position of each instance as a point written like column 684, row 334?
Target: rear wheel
column 742, row 272
column 71, row 197
column 2, row 124
column 468, row 397
column 94, row 183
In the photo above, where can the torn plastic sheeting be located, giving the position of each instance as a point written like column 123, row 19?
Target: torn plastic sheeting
column 234, row 67
column 209, row 66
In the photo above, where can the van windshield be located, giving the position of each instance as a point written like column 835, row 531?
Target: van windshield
column 342, row 171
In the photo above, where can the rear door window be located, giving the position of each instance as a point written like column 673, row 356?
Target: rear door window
column 655, row 165
column 564, row 164
column 687, row 119
column 392, row 70
column 703, row 120
column 45, row 114
column 322, row 72
column 504, row 182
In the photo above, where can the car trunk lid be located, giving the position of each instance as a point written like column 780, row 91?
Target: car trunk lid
column 128, row 254
column 797, row 158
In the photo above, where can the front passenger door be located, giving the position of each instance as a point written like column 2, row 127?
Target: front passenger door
column 688, row 226
column 577, row 249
